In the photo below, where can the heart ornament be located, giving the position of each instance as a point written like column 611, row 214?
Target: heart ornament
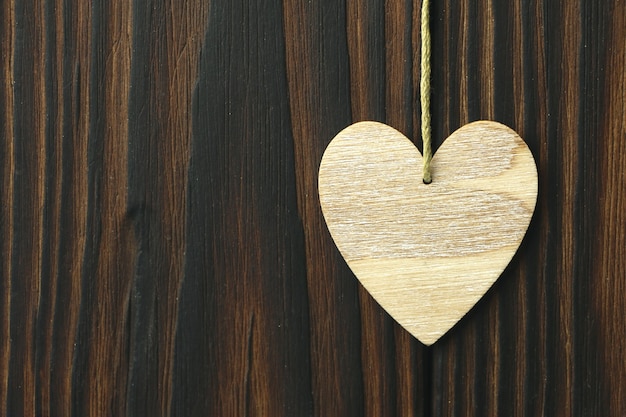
column 427, row 252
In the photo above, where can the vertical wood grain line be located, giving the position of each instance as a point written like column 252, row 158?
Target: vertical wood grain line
column 186, row 28
column 443, row 47
column 487, row 66
column 520, row 68
column 317, row 69
column 27, row 214
column 536, row 125
column 73, row 197
column 461, row 72
column 7, row 157
column 594, row 30
column 416, row 72
column 365, row 30
column 51, row 180
column 166, row 47
column 507, row 103
column 609, row 260
column 100, row 367
column 399, row 62
column 567, row 131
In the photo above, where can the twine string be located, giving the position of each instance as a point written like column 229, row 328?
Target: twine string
column 425, row 91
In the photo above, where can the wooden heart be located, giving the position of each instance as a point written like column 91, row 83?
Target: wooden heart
column 427, row 253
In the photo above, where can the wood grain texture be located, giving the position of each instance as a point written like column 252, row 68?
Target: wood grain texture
column 163, row 251
column 427, row 252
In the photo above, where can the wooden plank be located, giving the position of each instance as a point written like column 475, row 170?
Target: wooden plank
column 163, row 250
column 242, row 340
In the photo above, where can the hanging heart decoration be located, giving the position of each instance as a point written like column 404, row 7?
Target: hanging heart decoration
column 427, row 252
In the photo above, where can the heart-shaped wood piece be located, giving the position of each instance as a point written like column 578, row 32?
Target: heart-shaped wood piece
column 427, row 252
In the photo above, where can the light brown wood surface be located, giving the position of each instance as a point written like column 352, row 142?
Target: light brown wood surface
column 427, row 252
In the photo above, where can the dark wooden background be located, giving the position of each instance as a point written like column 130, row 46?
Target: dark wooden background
column 162, row 248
